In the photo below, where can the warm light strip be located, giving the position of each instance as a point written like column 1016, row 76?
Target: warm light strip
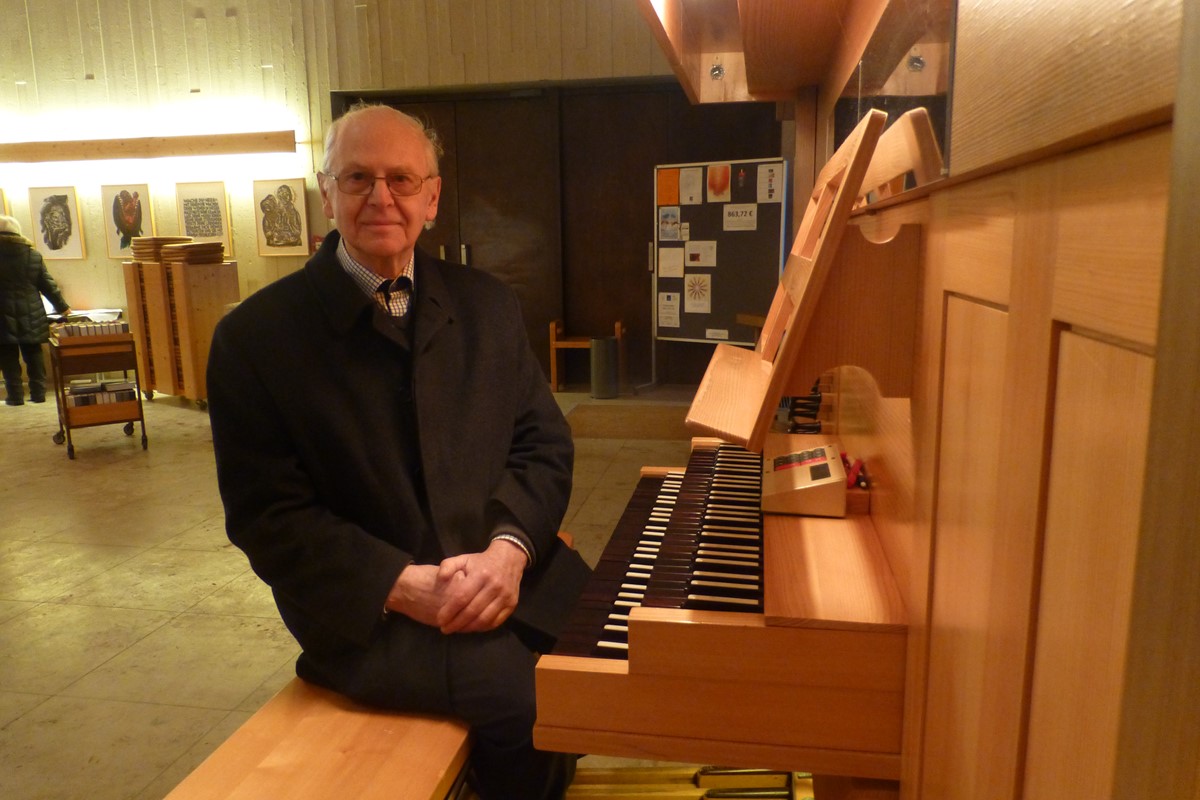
column 150, row 147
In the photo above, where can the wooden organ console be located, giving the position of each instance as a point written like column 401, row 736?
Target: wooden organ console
column 714, row 632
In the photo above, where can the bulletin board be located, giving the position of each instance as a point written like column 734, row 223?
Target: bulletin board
column 719, row 247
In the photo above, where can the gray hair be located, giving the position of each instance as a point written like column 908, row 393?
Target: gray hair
column 10, row 225
column 433, row 144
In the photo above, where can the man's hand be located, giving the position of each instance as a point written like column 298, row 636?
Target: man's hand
column 464, row 594
column 481, row 588
column 418, row 593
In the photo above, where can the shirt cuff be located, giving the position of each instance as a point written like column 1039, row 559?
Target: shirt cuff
column 519, row 539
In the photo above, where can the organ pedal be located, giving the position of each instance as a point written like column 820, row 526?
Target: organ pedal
column 692, row 783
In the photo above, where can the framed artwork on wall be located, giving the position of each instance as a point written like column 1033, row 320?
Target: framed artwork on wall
column 204, row 213
column 281, row 218
column 56, row 232
column 127, row 214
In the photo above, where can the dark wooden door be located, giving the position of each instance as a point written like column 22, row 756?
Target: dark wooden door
column 499, row 209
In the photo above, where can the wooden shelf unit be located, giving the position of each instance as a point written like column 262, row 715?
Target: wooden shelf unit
column 91, row 355
column 173, row 309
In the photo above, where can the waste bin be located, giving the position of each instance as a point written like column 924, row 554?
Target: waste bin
column 604, row 367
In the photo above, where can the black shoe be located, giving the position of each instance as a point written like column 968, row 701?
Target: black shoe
column 37, row 398
column 12, row 401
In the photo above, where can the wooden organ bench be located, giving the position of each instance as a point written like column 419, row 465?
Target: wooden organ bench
column 308, row 742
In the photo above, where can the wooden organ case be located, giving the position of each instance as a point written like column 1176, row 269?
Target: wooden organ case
column 813, row 678
column 1030, row 485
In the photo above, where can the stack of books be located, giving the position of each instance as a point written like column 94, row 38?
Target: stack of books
column 91, row 393
column 91, row 328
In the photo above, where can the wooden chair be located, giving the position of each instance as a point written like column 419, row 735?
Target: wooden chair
column 559, row 341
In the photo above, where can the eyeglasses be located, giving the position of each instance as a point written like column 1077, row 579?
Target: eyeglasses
column 400, row 184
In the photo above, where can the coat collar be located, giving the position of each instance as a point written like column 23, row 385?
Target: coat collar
column 343, row 302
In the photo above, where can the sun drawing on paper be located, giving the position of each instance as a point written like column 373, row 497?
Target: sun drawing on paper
column 697, row 287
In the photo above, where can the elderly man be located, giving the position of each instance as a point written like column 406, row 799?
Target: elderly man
column 393, row 464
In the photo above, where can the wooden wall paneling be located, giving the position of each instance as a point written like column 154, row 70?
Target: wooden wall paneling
column 199, row 52
column 317, row 79
column 976, row 225
column 470, row 39
column 967, row 533
column 137, row 16
column 1101, row 419
column 1039, row 76
column 169, row 45
column 634, row 51
column 447, row 67
column 511, row 39
column 1159, row 736
column 1112, row 230
column 586, row 38
column 93, row 83
column 1024, row 430
column 405, row 50
column 547, row 53
column 17, row 66
column 57, row 53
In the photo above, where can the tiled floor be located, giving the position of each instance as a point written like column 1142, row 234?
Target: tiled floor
column 133, row 637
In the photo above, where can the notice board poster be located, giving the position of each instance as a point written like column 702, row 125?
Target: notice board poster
column 719, row 247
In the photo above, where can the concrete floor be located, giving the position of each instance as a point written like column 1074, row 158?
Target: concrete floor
column 133, row 637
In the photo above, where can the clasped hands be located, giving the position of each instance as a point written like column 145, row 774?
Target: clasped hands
column 466, row 593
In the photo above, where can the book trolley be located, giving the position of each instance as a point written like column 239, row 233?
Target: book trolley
column 95, row 402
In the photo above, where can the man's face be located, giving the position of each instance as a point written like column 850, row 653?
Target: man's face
column 380, row 230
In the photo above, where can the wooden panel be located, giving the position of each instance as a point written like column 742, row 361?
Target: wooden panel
column 962, row 639
column 872, row 289
column 779, row 59
column 202, row 291
column 975, row 238
column 718, row 717
column 1031, row 75
column 1101, row 418
column 828, row 573
column 1112, row 227
column 139, row 324
column 1160, row 716
column 163, row 356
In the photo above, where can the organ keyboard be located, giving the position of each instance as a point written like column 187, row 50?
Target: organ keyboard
column 687, row 539
column 803, row 671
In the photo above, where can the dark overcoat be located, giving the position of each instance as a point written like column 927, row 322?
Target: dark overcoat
column 345, row 451
column 23, row 280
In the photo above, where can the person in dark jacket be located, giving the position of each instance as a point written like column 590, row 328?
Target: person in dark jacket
column 394, row 466
column 24, row 326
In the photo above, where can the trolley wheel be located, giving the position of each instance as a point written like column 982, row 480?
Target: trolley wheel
column 71, row 452
column 148, row 394
column 202, row 404
column 59, row 437
column 128, row 429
